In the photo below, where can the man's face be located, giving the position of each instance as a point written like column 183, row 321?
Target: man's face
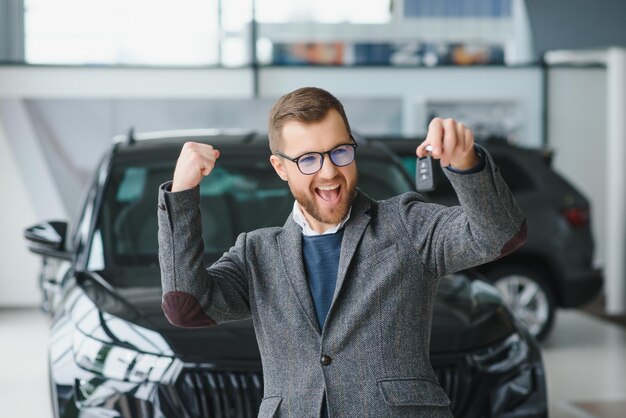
column 326, row 196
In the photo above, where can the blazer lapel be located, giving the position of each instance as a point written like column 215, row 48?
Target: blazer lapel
column 354, row 229
column 290, row 248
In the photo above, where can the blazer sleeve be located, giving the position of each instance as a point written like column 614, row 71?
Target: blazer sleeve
column 487, row 225
column 195, row 295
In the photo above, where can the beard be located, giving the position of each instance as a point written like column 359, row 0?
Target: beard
column 331, row 216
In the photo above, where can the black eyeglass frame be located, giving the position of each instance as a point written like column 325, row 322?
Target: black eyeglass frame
column 354, row 145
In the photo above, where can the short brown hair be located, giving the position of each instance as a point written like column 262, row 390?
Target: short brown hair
column 306, row 104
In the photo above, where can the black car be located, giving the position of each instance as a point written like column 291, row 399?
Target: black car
column 114, row 354
column 555, row 265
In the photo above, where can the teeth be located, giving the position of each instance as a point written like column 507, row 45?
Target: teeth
column 329, row 187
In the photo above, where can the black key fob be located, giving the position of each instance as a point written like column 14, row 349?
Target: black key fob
column 424, row 174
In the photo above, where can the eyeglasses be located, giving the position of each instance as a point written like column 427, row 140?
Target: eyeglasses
column 312, row 162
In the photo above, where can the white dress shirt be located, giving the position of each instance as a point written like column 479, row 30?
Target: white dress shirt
column 299, row 218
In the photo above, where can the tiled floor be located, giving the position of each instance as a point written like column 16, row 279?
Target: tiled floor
column 585, row 360
column 23, row 367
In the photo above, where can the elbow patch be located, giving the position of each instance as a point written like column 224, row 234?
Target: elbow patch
column 184, row 310
column 514, row 243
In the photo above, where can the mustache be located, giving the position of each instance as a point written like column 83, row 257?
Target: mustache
column 341, row 180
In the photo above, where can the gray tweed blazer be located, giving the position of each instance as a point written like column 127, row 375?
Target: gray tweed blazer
column 371, row 357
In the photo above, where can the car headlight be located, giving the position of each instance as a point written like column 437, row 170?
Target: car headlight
column 120, row 363
column 507, row 396
column 503, row 356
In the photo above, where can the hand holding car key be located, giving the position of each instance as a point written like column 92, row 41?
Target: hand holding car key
column 448, row 141
column 424, row 172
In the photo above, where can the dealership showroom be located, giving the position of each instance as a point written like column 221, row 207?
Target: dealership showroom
column 175, row 243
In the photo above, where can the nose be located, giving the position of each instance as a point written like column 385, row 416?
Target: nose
column 329, row 169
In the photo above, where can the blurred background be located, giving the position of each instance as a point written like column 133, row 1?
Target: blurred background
column 545, row 75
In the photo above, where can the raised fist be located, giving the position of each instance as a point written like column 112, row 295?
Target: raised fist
column 195, row 161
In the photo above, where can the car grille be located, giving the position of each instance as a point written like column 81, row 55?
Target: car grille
column 220, row 394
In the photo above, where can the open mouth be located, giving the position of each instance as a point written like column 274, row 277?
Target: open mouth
column 329, row 194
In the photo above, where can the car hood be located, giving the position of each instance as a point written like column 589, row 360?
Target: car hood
column 468, row 314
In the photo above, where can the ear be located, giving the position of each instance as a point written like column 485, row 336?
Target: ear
column 277, row 163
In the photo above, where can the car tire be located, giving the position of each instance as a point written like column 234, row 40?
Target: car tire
column 528, row 296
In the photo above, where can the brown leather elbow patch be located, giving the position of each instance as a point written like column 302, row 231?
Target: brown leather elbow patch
column 514, row 243
column 183, row 310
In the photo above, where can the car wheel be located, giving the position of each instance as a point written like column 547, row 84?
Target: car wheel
column 528, row 296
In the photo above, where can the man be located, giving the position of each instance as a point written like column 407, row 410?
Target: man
column 341, row 296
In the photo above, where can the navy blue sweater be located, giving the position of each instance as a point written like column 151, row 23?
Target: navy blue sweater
column 321, row 261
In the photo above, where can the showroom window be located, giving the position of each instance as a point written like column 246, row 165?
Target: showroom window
column 122, row 32
column 286, row 32
column 325, row 11
column 401, row 32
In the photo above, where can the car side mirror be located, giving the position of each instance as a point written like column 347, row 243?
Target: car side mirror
column 48, row 239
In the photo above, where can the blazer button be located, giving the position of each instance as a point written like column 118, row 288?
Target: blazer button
column 326, row 360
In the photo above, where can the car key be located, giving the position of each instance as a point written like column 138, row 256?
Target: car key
column 424, row 172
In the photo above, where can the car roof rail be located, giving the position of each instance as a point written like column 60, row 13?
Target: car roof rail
column 358, row 138
column 130, row 138
column 133, row 137
column 249, row 138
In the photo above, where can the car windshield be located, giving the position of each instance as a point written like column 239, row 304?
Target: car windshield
column 240, row 195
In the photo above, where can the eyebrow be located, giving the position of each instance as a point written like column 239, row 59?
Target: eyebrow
column 350, row 142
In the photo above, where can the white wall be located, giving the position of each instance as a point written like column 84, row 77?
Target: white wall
column 615, row 271
column 577, row 132
column 74, row 82
column 19, row 268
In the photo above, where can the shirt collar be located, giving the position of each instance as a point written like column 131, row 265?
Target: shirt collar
column 299, row 218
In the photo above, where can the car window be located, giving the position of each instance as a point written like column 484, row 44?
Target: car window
column 237, row 197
